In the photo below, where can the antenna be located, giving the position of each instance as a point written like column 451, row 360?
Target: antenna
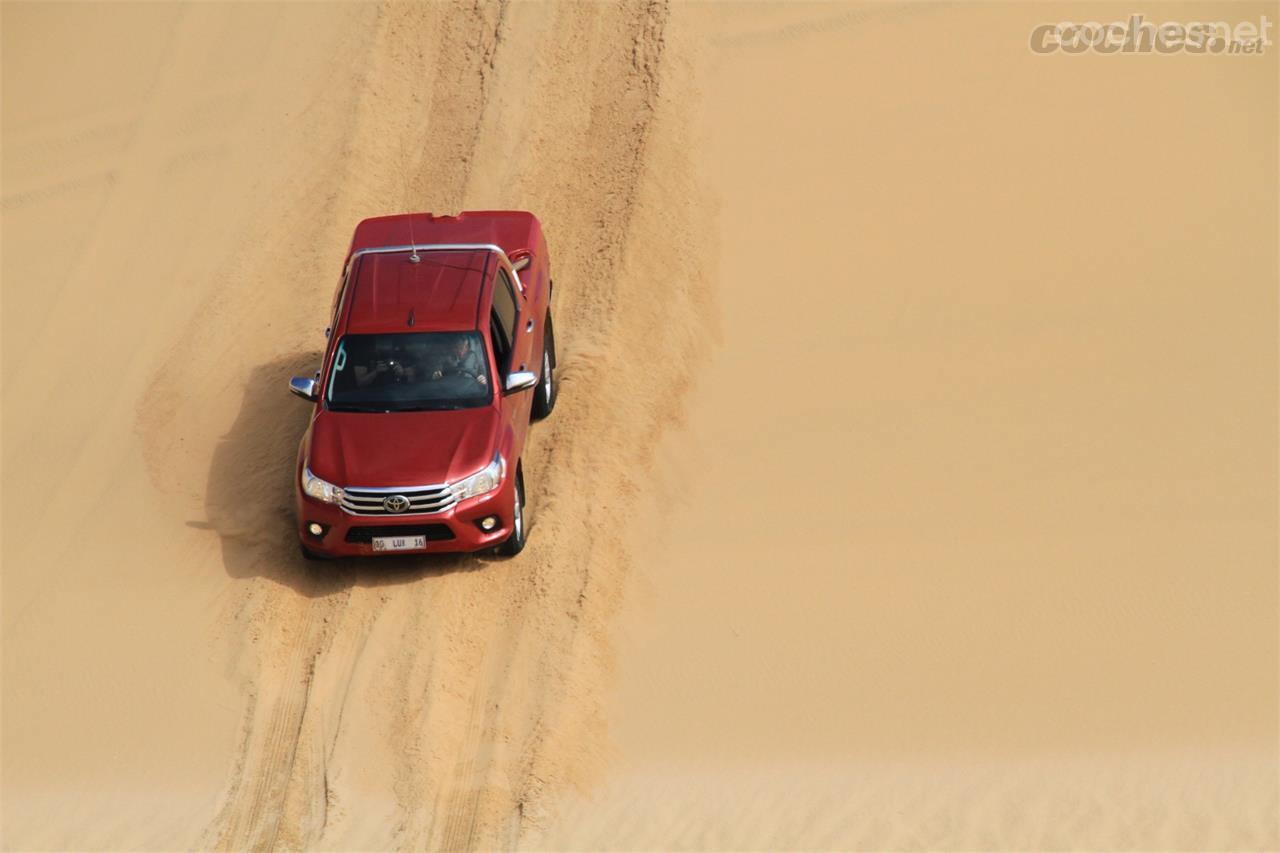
column 414, row 257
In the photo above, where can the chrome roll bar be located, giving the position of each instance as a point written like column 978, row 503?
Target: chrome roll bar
column 440, row 247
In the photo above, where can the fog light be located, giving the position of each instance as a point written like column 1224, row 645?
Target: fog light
column 489, row 522
column 315, row 529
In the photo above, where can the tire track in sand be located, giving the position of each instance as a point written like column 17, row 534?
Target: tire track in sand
column 252, row 818
column 634, row 316
column 506, row 757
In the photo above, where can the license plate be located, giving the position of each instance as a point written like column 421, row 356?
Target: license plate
column 399, row 543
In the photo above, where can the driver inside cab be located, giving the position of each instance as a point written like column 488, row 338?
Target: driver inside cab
column 462, row 360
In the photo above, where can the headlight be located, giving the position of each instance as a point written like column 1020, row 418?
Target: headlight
column 319, row 489
column 482, row 482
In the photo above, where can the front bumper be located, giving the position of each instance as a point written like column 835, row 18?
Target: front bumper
column 348, row 535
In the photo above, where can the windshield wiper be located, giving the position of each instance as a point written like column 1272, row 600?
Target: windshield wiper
column 342, row 408
column 438, row 407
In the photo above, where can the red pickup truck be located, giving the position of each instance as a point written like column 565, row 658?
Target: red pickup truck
column 440, row 352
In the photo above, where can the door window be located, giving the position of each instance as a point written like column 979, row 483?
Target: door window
column 504, row 305
column 501, row 343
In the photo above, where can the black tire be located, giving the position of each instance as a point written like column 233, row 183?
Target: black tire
column 308, row 554
column 519, row 533
column 544, row 396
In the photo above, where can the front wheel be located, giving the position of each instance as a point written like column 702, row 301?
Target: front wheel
column 544, row 397
column 515, row 542
column 308, row 554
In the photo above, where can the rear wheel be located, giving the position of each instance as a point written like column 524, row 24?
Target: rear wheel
column 544, row 397
column 515, row 542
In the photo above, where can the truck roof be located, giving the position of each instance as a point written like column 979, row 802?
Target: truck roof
column 444, row 290
column 512, row 230
column 441, row 292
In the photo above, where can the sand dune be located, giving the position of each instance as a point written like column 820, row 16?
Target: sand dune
column 970, row 541
column 776, row 229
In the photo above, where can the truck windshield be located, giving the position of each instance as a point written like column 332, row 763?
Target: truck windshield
column 407, row 372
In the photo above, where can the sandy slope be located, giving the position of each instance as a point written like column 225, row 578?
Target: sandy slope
column 1035, row 606
column 973, row 543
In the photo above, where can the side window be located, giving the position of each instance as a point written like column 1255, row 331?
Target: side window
column 337, row 295
column 501, row 343
column 504, row 305
column 337, row 303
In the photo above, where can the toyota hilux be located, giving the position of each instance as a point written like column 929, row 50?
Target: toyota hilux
column 440, row 352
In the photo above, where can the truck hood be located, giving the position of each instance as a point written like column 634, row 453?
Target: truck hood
column 402, row 448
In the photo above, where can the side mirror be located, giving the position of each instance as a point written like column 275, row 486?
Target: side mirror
column 520, row 381
column 522, row 262
column 304, row 388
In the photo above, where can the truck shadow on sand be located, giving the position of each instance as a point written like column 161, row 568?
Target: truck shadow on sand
column 249, row 497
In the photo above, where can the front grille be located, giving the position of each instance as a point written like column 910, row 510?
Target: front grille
column 422, row 499
column 433, row 532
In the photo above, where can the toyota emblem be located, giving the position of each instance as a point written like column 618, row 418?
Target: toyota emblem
column 395, row 503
